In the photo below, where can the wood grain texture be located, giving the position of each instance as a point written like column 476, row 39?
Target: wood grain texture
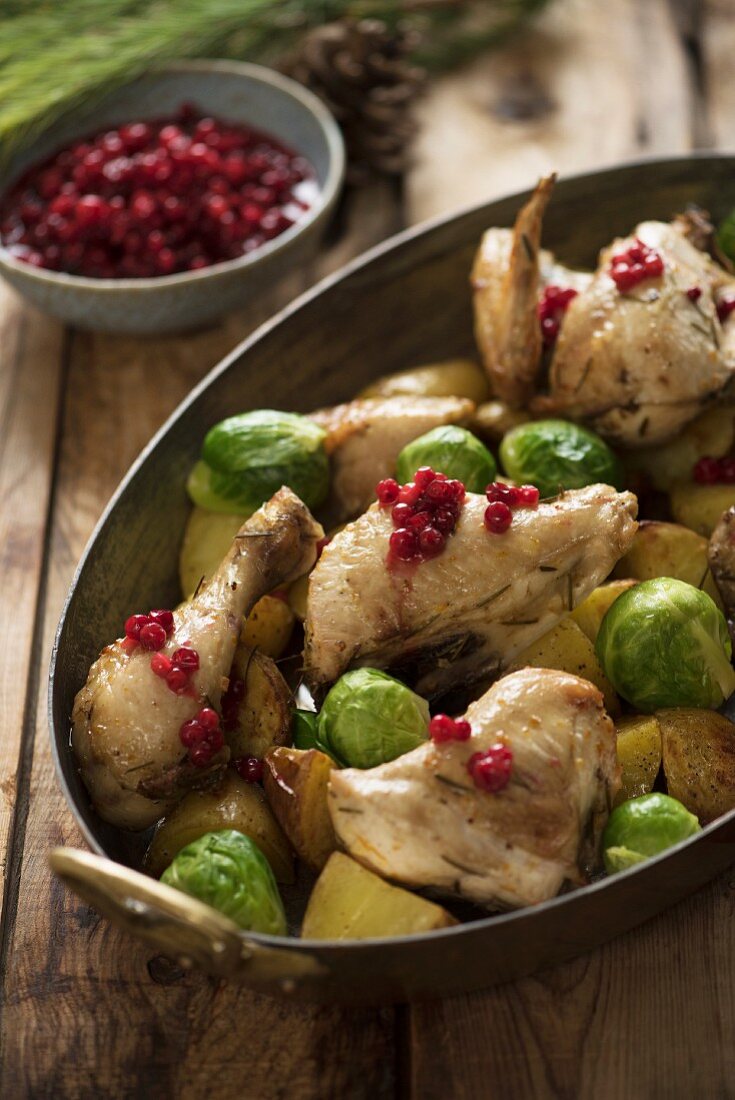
column 85, row 1011
column 31, row 374
column 579, row 89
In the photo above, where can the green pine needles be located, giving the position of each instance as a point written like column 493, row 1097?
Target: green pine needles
column 55, row 54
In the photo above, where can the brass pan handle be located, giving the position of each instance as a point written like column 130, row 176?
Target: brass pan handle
column 178, row 925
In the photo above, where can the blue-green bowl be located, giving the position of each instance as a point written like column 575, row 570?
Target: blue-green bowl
column 172, row 303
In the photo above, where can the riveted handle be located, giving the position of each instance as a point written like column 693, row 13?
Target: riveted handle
column 178, row 925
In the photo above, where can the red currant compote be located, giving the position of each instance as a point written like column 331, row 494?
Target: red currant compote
column 156, row 198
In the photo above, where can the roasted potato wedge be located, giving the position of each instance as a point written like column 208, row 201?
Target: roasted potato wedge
column 700, row 506
column 699, row 760
column 297, row 596
column 566, row 647
column 232, row 804
column 710, row 433
column 450, row 378
column 349, row 902
column 264, row 710
column 639, row 754
column 207, row 539
column 493, row 419
column 668, row 550
column 268, row 627
column 295, row 783
column 590, row 613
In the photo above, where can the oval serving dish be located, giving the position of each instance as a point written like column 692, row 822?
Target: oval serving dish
column 404, row 303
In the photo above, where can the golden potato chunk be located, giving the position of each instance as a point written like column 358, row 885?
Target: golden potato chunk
column 639, row 755
column 700, row 506
column 295, row 782
column 590, row 613
column 710, row 433
column 263, row 712
column 232, row 804
column 567, row 648
column 450, row 378
column 349, row 902
column 668, row 550
column 699, row 760
column 207, row 539
column 268, row 627
column 492, row 420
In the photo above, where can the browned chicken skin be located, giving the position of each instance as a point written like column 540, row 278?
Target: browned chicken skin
column 365, row 437
column 461, row 617
column 126, row 720
column 505, row 281
column 421, row 820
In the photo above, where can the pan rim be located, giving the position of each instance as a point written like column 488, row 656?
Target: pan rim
column 352, row 268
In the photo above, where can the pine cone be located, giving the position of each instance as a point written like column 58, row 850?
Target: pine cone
column 361, row 71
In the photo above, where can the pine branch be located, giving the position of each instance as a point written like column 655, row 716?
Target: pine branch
column 57, row 54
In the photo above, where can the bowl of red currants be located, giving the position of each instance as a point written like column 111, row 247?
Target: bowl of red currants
column 172, row 201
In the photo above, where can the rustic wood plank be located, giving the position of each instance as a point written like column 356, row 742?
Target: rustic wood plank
column 716, row 41
column 31, row 369
column 649, row 1015
column 86, row 1012
column 576, row 90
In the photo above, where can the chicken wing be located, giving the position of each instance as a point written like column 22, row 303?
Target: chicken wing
column 505, row 282
column 365, row 437
column 421, row 820
column 637, row 366
column 461, row 617
column 126, row 720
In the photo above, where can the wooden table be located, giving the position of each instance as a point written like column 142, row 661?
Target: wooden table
column 85, row 1012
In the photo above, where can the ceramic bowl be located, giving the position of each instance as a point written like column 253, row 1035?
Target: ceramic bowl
column 226, row 89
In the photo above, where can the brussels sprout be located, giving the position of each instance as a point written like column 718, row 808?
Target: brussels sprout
column 305, row 731
column 664, row 643
column 454, row 451
column 369, row 718
column 644, row 827
column 726, row 235
column 555, row 454
column 246, row 459
column 228, row 871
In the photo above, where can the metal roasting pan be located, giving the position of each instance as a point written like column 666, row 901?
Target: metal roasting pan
column 401, row 304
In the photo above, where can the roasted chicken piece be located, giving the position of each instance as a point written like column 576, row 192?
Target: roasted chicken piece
column 640, row 364
column 126, row 720
column 722, row 560
column 505, row 282
column 463, row 616
column 422, row 821
column 365, row 437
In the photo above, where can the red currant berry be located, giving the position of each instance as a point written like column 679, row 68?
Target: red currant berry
column 177, row 679
column 707, row 471
column 152, row 636
column 491, row 769
column 160, row 665
column 404, row 544
column 250, row 768
column 163, row 618
column 387, row 491
column 186, row 658
column 431, row 542
column 528, row 496
column 498, row 517
column 134, row 625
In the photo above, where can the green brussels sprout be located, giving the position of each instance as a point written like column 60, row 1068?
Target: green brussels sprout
column 665, row 643
column 369, row 718
column 726, row 235
column 455, row 452
column 555, row 455
column 228, row 871
column 643, row 827
column 247, row 458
